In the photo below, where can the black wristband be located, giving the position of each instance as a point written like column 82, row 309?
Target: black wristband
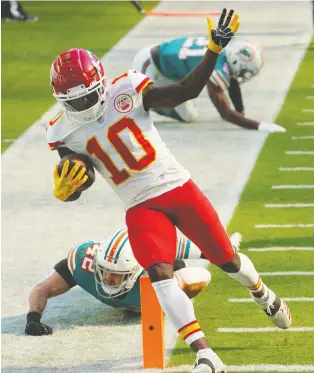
column 33, row 316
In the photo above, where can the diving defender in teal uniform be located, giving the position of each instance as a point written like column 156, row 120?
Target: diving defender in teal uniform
column 237, row 63
column 108, row 271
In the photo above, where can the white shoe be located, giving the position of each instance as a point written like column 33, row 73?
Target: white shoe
column 276, row 309
column 207, row 361
column 235, row 240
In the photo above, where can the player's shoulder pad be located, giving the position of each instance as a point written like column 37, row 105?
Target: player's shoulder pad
column 57, row 130
column 131, row 81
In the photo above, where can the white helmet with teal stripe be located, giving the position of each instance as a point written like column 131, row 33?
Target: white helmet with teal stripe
column 116, row 269
column 244, row 58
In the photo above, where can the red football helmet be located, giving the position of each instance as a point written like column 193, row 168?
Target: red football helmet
column 79, row 84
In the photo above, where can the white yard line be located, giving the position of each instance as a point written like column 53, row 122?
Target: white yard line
column 308, row 110
column 259, row 226
column 297, row 186
column 305, row 123
column 295, row 169
column 294, row 152
column 281, row 249
column 128, row 368
column 310, row 97
column 250, row 300
column 288, row 205
column 265, row 330
column 288, row 273
column 8, row 140
column 302, row 137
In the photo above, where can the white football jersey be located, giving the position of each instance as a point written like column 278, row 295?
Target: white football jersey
column 123, row 144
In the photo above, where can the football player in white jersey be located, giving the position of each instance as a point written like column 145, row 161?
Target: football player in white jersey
column 110, row 122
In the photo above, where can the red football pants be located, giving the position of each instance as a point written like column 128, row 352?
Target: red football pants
column 152, row 233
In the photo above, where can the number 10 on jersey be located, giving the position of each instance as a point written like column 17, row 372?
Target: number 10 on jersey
column 119, row 176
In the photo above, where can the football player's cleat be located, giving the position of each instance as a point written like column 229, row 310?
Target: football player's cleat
column 207, row 361
column 276, row 309
column 36, row 328
column 235, row 240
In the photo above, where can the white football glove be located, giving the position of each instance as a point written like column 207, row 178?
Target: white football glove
column 271, row 127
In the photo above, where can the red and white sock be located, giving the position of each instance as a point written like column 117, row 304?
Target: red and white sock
column 249, row 277
column 179, row 309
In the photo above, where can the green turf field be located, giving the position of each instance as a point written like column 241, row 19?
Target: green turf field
column 212, row 308
column 28, row 50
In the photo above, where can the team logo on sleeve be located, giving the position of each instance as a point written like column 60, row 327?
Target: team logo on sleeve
column 123, row 103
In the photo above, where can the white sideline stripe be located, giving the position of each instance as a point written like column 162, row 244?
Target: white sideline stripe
column 277, row 248
column 305, row 123
column 310, row 97
column 285, row 205
column 308, row 110
column 251, row 300
column 302, row 137
column 291, row 152
column 8, row 140
column 284, row 226
column 296, row 168
column 236, row 368
column 264, row 330
column 298, row 186
column 288, row 273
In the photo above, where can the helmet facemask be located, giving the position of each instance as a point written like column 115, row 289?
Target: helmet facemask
column 244, row 75
column 83, row 104
column 109, row 291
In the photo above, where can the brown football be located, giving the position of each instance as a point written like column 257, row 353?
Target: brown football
column 84, row 161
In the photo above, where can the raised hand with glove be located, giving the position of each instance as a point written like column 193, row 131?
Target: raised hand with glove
column 226, row 29
column 68, row 182
column 271, row 127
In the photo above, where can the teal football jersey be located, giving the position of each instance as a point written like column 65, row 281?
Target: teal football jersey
column 81, row 265
column 179, row 56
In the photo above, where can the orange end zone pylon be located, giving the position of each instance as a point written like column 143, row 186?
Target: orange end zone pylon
column 152, row 327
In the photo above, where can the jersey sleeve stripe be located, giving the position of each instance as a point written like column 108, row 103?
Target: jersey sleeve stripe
column 187, row 249
column 213, row 80
column 71, row 260
column 182, row 248
column 224, row 80
column 217, row 80
column 55, row 145
column 178, row 248
column 143, row 84
column 115, row 245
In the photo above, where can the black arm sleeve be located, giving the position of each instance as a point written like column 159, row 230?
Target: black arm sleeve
column 63, row 151
column 236, row 95
column 63, row 270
